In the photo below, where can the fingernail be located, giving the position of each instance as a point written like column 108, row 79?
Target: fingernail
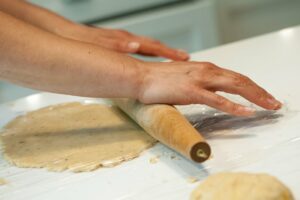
column 182, row 53
column 133, row 46
column 276, row 104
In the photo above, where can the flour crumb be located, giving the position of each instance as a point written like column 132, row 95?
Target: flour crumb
column 192, row 179
column 175, row 157
column 3, row 181
column 154, row 160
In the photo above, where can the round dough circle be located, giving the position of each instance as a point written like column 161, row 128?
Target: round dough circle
column 73, row 136
column 241, row 186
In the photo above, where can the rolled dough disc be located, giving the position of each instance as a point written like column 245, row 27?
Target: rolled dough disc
column 241, row 186
column 73, row 136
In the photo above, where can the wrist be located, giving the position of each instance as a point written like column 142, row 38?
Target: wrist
column 135, row 77
column 147, row 78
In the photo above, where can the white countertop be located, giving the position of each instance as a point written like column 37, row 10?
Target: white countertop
column 266, row 143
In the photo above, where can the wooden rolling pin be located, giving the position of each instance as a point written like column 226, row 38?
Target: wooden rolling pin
column 167, row 125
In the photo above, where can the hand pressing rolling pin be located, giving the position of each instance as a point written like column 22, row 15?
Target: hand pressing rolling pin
column 40, row 55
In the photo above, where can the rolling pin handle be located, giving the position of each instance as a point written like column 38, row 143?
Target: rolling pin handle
column 200, row 152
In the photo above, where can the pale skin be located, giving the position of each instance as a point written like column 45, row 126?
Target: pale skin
column 117, row 40
column 54, row 58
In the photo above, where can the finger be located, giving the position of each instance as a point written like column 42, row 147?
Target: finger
column 119, row 45
column 235, row 83
column 156, row 49
column 216, row 101
column 147, row 39
column 125, row 42
column 145, row 46
column 122, row 41
column 152, row 47
column 121, row 33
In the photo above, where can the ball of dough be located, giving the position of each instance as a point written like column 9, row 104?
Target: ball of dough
column 241, row 186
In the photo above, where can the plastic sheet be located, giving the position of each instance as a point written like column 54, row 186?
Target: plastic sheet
column 267, row 142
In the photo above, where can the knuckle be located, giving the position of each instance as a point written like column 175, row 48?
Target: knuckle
column 207, row 66
column 191, row 94
column 241, row 80
column 234, row 108
column 261, row 94
column 220, row 101
column 121, row 45
column 116, row 45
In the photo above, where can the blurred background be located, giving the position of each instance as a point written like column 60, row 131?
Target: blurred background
column 192, row 25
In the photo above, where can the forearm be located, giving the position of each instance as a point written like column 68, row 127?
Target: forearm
column 37, row 16
column 40, row 60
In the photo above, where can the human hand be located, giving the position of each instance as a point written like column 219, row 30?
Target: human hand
column 117, row 40
column 196, row 83
column 125, row 42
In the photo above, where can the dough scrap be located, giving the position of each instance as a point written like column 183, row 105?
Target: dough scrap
column 3, row 181
column 73, row 136
column 241, row 186
column 192, row 179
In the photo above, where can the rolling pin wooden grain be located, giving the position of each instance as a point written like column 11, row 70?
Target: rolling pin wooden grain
column 167, row 125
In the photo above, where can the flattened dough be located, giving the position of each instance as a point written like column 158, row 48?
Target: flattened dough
column 73, row 136
column 241, row 186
